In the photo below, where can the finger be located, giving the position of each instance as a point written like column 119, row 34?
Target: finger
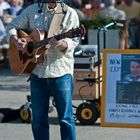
column 53, row 40
column 24, row 40
column 20, row 44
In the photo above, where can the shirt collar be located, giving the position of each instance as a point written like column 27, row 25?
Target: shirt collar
column 52, row 11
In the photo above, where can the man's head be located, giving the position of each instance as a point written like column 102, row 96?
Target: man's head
column 51, row 4
column 135, row 68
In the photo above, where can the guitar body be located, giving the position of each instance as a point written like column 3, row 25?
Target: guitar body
column 23, row 62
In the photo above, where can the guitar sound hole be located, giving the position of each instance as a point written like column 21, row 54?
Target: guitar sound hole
column 30, row 47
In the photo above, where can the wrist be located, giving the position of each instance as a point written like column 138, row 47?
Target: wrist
column 14, row 39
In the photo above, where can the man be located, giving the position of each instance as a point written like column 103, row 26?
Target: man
column 134, row 32
column 52, row 76
column 134, row 71
column 130, row 36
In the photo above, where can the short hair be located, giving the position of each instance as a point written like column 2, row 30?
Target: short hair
column 137, row 61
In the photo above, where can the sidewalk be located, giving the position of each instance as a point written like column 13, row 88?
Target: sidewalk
column 13, row 91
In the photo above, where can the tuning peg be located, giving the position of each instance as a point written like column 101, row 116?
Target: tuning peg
column 83, row 37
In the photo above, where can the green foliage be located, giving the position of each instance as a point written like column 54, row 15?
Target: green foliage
column 94, row 24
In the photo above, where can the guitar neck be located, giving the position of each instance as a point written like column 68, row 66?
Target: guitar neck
column 46, row 40
column 77, row 32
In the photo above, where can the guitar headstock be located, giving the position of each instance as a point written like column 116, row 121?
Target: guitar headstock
column 76, row 32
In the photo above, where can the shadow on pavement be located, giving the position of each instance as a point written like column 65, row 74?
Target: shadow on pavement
column 11, row 87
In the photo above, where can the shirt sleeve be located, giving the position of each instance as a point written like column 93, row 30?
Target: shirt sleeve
column 71, row 21
column 20, row 22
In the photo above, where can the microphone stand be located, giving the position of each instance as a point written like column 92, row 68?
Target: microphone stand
column 104, row 29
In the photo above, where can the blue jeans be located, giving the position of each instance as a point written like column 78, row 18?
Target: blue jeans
column 61, row 89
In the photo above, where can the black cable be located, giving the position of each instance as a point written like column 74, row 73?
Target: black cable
column 40, row 5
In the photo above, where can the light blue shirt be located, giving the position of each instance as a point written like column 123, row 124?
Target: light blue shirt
column 56, row 63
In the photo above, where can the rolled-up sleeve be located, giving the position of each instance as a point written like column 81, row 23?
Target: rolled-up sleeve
column 20, row 22
column 71, row 21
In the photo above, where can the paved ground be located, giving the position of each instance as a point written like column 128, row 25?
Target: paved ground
column 13, row 91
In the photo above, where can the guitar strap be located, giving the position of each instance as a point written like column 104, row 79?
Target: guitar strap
column 57, row 20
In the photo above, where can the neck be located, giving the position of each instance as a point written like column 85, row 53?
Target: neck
column 52, row 5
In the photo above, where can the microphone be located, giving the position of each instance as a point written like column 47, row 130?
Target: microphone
column 116, row 23
column 113, row 23
column 110, row 24
column 119, row 24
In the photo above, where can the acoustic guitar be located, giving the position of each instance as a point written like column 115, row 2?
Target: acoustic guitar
column 23, row 62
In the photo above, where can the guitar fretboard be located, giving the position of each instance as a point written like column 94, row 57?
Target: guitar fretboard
column 46, row 41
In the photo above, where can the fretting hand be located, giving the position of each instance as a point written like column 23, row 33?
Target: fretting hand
column 62, row 45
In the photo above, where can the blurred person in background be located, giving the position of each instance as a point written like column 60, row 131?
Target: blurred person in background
column 4, row 6
column 111, row 12
column 130, row 36
column 12, row 11
column 92, row 7
column 2, row 31
column 77, row 5
column 25, row 4
column 2, row 36
column 15, row 7
column 130, row 7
